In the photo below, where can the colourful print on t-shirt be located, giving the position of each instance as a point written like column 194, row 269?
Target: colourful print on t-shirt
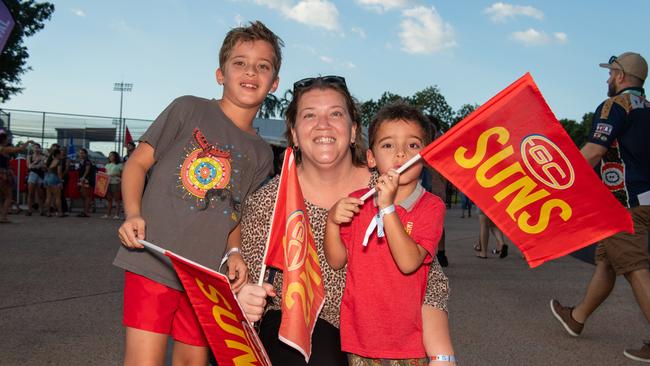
column 205, row 175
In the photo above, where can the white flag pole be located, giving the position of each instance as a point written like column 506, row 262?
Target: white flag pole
column 400, row 170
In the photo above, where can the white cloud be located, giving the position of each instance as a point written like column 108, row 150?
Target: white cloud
column 532, row 37
column 327, row 60
column 359, row 31
column 349, row 65
column 423, row 31
column 381, row 6
column 239, row 20
column 500, row 12
column 561, row 37
column 79, row 12
column 317, row 13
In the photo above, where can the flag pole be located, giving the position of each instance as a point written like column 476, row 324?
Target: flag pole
column 260, row 280
column 152, row 246
column 400, row 170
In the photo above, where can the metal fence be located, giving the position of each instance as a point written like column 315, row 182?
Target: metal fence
column 96, row 133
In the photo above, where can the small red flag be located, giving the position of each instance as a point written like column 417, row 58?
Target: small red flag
column 231, row 337
column 291, row 248
column 127, row 136
column 515, row 161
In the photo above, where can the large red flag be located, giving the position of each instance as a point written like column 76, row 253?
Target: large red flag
column 231, row 337
column 291, row 248
column 515, row 161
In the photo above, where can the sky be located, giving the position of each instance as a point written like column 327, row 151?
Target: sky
column 470, row 50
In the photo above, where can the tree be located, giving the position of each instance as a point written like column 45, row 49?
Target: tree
column 370, row 108
column 463, row 112
column 274, row 107
column 29, row 17
column 433, row 103
column 578, row 131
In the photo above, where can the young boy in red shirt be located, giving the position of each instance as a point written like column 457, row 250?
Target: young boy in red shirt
column 204, row 158
column 381, row 311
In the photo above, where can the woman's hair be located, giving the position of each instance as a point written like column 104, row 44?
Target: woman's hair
column 359, row 146
column 83, row 149
column 117, row 156
column 54, row 154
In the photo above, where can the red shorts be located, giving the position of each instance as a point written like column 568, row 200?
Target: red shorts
column 154, row 307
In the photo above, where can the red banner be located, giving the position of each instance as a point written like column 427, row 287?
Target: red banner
column 127, row 136
column 102, row 180
column 291, row 248
column 231, row 337
column 515, row 161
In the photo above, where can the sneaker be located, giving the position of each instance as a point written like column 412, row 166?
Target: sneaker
column 642, row 354
column 442, row 258
column 563, row 315
column 116, row 217
column 104, row 216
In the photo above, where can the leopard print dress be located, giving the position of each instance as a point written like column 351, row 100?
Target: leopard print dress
column 255, row 226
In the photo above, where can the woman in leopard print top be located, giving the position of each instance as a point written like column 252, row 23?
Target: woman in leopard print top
column 324, row 126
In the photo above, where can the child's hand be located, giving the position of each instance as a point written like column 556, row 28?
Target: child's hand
column 131, row 231
column 252, row 299
column 237, row 271
column 387, row 188
column 344, row 210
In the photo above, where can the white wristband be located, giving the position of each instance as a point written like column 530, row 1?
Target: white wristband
column 228, row 254
column 386, row 210
column 443, row 358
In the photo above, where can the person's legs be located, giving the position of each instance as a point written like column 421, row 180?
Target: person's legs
column 600, row 286
column 48, row 200
column 640, row 282
column 109, row 199
column 5, row 194
column 31, row 192
column 484, row 235
column 118, row 199
column 188, row 355
column 144, row 347
column 56, row 193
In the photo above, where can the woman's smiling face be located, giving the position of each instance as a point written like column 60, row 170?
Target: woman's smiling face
column 323, row 129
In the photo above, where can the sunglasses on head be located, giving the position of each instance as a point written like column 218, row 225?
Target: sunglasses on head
column 329, row 79
column 614, row 60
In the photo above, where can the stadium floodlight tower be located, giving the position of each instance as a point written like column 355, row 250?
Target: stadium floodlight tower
column 121, row 87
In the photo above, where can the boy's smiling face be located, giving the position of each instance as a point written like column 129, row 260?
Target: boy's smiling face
column 249, row 74
column 397, row 141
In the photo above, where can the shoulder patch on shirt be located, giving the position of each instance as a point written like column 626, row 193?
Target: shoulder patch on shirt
column 604, row 128
column 621, row 100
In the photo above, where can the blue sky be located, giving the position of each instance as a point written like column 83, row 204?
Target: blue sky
column 469, row 49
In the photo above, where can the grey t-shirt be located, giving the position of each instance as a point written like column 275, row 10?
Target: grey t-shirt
column 205, row 167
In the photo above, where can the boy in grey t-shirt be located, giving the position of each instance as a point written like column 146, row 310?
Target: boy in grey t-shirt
column 205, row 158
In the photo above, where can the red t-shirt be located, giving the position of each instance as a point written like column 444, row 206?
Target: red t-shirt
column 381, row 311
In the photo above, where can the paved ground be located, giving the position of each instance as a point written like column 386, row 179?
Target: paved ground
column 60, row 300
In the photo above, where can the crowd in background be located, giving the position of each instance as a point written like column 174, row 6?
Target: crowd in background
column 57, row 180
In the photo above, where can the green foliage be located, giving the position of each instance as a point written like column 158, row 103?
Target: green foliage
column 274, row 107
column 578, row 131
column 463, row 112
column 433, row 103
column 29, row 17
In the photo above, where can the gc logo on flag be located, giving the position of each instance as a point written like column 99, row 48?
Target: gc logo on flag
column 295, row 250
column 546, row 162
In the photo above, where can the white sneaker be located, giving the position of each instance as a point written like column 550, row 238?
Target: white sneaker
column 105, row 217
column 116, row 217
